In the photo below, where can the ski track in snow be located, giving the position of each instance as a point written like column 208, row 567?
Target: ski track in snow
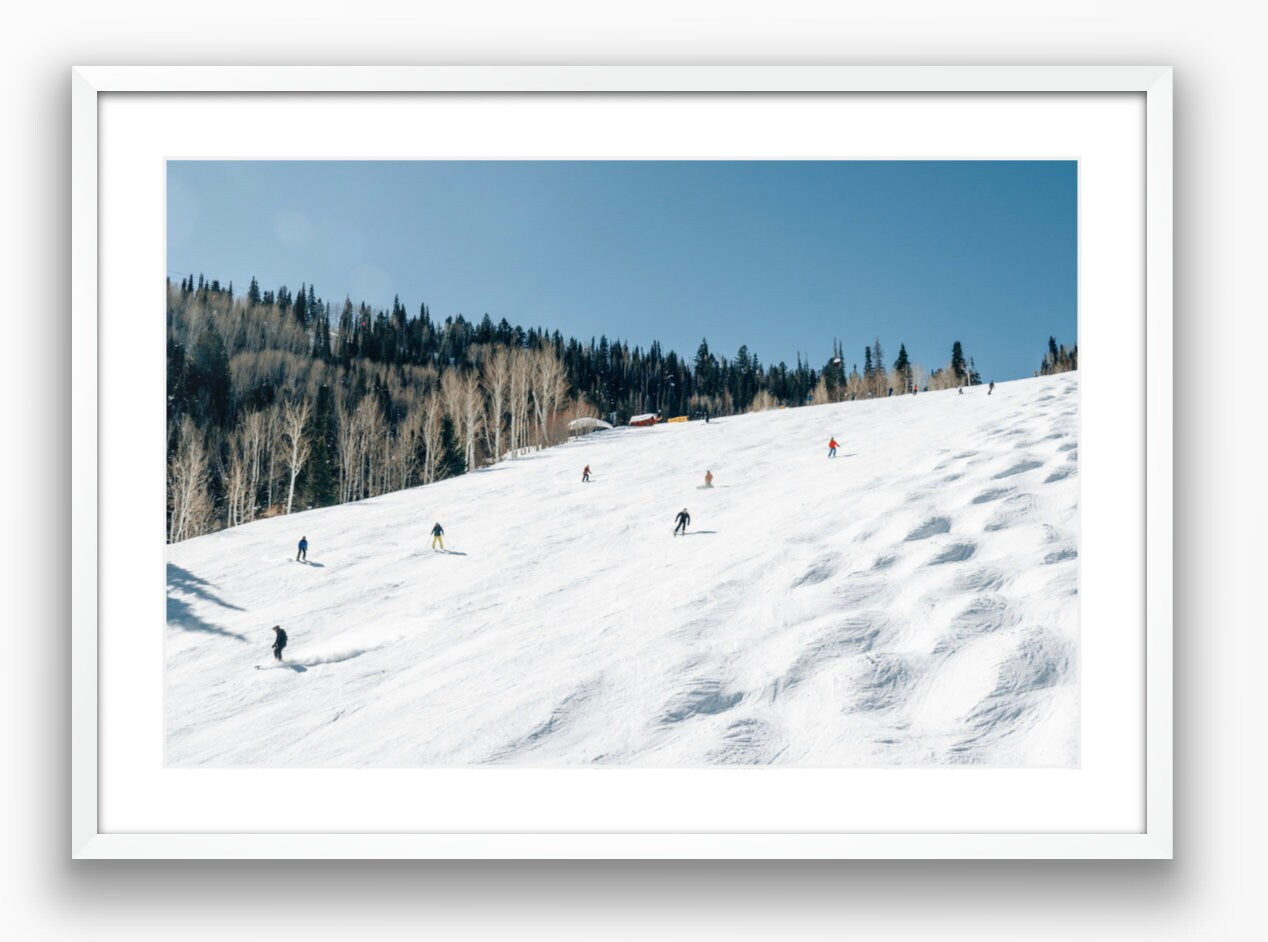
column 913, row 601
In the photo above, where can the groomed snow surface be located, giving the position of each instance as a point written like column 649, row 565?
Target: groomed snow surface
column 913, row 601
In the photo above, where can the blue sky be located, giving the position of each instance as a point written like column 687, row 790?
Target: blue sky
column 782, row 256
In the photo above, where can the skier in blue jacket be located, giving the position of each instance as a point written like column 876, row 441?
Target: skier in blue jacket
column 303, row 550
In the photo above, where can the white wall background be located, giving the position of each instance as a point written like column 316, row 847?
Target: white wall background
column 1208, row 892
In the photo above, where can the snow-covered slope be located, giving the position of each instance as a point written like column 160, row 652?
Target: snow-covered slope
column 912, row 601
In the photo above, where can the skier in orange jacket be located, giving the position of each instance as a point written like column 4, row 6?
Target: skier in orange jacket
column 832, row 448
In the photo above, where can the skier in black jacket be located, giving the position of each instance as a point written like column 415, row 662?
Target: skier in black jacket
column 279, row 643
column 681, row 522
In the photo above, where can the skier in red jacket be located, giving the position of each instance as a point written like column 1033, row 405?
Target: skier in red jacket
column 832, row 448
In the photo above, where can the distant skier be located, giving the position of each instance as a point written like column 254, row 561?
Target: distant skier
column 708, row 479
column 438, row 536
column 832, row 448
column 279, row 642
column 682, row 520
column 302, row 555
column 961, row 390
column 585, row 475
column 990, row 389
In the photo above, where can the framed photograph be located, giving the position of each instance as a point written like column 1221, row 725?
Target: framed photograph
column 622, row 462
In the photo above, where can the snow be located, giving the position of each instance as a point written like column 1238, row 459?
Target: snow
column 588, row 424
column 913, row 601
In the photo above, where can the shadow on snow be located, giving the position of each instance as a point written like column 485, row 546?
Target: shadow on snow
column 179, row 613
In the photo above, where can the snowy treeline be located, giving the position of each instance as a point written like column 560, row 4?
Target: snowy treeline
column 1058, row 359
column 281, row 402
column 257, row 427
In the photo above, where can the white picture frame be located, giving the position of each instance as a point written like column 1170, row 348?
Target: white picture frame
column 91, row 837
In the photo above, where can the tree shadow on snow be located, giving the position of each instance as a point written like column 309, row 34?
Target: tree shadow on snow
column 185, row 581
column 179, row 613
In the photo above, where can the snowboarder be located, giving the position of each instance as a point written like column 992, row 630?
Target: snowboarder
column 708, row 479
column 279, row 642
column 991, row 388
column 302, row 555
column 682, row 520
column 438, row 536
column 832, row 448
column 585, row 475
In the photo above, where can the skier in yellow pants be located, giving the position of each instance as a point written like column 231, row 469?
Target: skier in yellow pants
column 438, row 536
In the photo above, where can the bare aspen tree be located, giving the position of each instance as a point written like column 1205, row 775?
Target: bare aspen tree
column 371, row 438
column 472, row 415
column 235, row 480
column 821, row 394
column 763, row 401
column 496, row 376
column 408, row 439
column 433, row 412
column 465, row 405
column 242, row 474
column 294, row 421
column 521, row 372
column 273, row 435
column 549, row 389
column 451, row 393
column 188, row 498
column 359, row 433
column 943, row 378
column 348, row 452
column 919, row 376
column 255, row 445
column 855, row 386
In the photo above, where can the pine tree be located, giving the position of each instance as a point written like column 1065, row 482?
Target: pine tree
column 879, row 379
column 833, row 374
column 320, row 472
column 451, row 457
column 301, row 306
column 957, row 363
column 704, row 369
column 208, row 376
column 902, row 368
